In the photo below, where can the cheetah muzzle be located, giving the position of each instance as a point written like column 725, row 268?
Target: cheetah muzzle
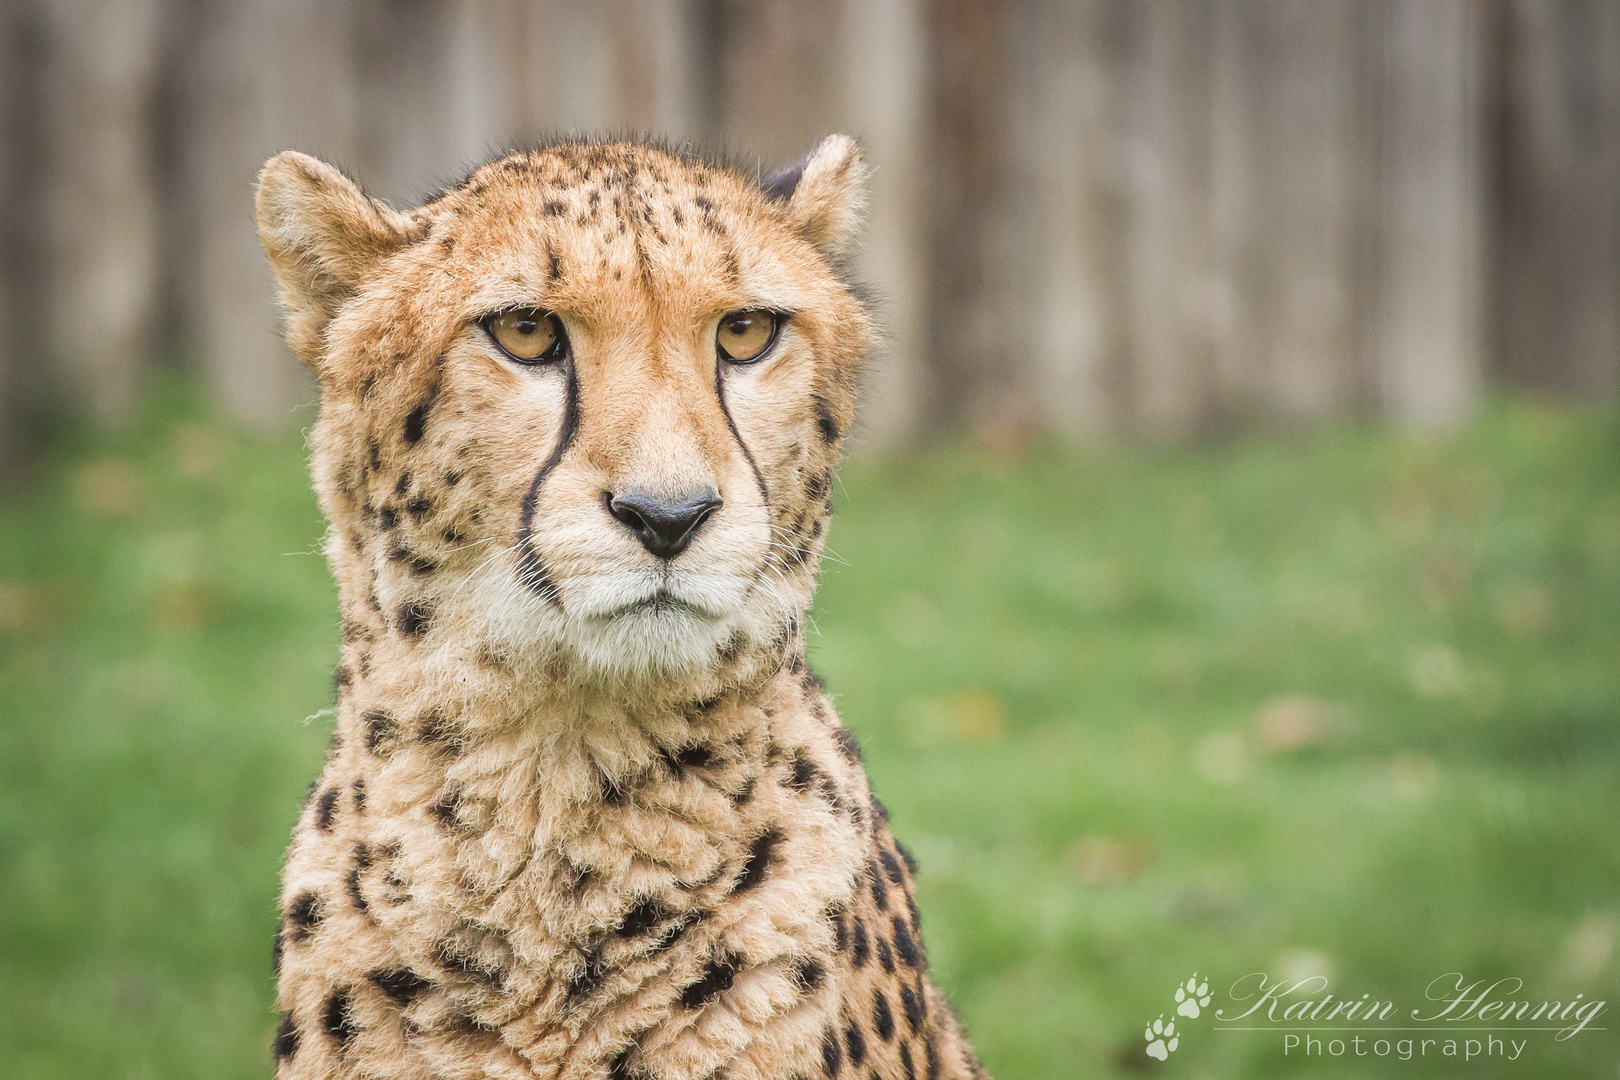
column 587, row 813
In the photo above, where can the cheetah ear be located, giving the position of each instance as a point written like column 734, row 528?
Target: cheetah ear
column 322, row 235
column 825, row 193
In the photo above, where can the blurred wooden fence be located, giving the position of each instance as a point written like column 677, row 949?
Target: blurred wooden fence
column 1164, row 216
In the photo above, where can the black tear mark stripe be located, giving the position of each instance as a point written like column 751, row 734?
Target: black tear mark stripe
column 531, row 571
column 731, row 424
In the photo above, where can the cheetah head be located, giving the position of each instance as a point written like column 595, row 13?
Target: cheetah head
column 584, row 405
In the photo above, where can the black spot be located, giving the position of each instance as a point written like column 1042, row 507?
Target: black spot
column 905, row 1062
column 880, row 811
column 338, row 1018
column 758, row 862
column 436, row 731
column 323, row 809
column 905, row 944
column 362, row 863
column 452, row 478
column 891, row 866
column 832, row 1055
column 555, row 209
column 840, row 931
column 882, row 1018
column 673, row 932
column 885, row 955
column 360, row 796
column 804, row 773
column 716, row 980
column 620, row 1068
column 863, row 948
column 911, row 909
column 880, row 891
column 816, row 489
column 855, row 1042
column 905, row 853
column 829, row 791
column 465, row 961
column 446, row 809
column 387, row 518
column 286, row 1043
column 403, row 483
column 416, row 421
column 381, row 732
column 825, row 422
column 341, row 681
column 696, row 756
column 744, row 793
column 912, row 1007
column 402, row 985
column 412, row 619
column 303, row 914
column 808, row 974
column 847, row 745
column 419, row 507
column 933, row 1057
column 642, row 918
column 277, row 947
column 374, row 455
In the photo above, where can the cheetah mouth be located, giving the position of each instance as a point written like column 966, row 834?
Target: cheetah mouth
column 659, row 604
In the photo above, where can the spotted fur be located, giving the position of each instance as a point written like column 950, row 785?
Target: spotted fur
column 588, row 813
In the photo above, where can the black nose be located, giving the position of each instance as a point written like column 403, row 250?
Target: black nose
column 664, row 526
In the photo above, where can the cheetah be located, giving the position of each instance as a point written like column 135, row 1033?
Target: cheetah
column 587, row 813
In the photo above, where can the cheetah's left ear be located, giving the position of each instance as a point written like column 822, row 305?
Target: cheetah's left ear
column 323, row 235
column 825, row 193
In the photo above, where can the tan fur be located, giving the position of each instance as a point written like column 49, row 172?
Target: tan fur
column 586, row 814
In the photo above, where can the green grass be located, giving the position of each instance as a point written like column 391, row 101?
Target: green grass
column 1347, row 701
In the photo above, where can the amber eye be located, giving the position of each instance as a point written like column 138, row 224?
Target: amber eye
column 528, row 335
column 746, row 335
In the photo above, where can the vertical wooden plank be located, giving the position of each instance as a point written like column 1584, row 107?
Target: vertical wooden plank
column 658, row 55
column 778, row 66
column 1069, row 124
column 1429, row 345
column 1171, row 286
column 427, row 109
column 102, row 202
column 976, row 347
column 1284, row 160
column 883, row 106
column 269, row 75
column 1557, row 210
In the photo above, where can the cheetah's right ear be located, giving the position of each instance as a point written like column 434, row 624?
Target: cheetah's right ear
column 825, row 193
column 322, row 235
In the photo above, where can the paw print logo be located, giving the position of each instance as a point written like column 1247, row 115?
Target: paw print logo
column 1162, row 1039
column 1192, row 997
